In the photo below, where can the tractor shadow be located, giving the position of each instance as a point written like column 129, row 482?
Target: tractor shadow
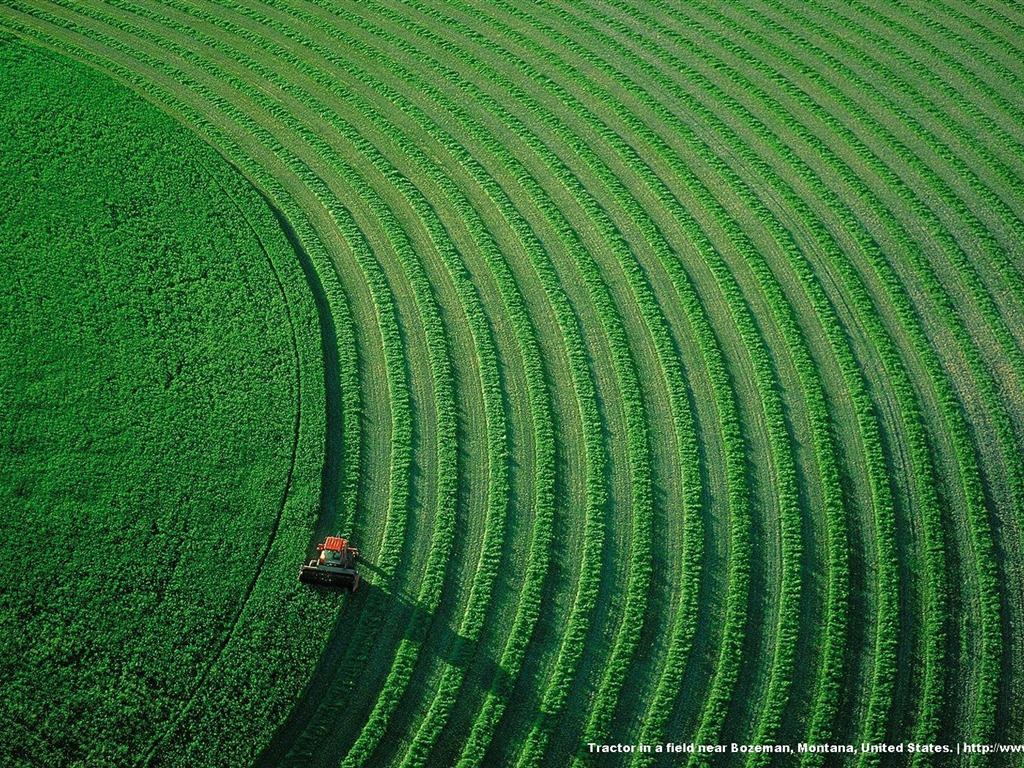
column 371, row 625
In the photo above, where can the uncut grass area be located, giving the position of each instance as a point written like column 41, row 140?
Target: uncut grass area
column 157, row 442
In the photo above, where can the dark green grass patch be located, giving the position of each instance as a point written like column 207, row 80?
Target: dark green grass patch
column 160, row 429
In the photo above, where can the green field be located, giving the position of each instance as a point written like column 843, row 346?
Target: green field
column 162, row 389
column 664, row 359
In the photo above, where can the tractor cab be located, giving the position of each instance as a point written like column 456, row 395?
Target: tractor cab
column 330, row 557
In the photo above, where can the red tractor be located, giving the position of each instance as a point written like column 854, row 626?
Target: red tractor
column 335, row 566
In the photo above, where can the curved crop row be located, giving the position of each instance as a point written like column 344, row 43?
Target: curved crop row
column 821, row 434
column 965, row 451
column 949, row 244
column 472, row 625
column 497, row 487
column 640, row 496
column 984, row 302
column 954, row 123
column 864, row 407
column 553, row 290
column 530, row 603
column 578, row 147
column 787, row 630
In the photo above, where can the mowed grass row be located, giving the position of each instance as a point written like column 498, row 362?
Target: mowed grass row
column 607, row 678
column 527, row 616
column 624, row 362
column 622, row 199
column 542, row 255
column 862, row 412
column 984, row 359
column 501, row 500
column 794, row 570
